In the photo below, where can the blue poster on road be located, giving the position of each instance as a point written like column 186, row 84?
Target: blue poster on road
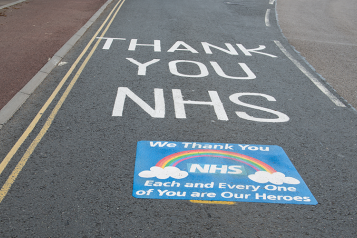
column 217, row 172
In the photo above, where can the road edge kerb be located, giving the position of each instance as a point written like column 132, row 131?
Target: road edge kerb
column 11, row 4
column 16, row 102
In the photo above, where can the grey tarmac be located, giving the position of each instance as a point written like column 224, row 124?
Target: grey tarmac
column 72, row 176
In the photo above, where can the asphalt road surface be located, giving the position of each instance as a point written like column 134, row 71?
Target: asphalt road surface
column 325, row 32
column 178, row 71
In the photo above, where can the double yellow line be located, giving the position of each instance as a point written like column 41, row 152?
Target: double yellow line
column 11, row 179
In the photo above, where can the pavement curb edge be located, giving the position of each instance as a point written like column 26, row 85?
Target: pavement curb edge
column 16, row 102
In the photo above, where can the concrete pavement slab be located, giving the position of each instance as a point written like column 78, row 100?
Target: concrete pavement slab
column 325, row 33
column 28, row 53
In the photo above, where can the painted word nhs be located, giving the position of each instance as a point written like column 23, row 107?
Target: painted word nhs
column 158, row 111
column 214, row 169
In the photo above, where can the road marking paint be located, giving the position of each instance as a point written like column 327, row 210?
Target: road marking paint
column 267, row 14
column 11, row 179
column 212, row 202
column 62, row 63
column 271, row 2
column 310, row 76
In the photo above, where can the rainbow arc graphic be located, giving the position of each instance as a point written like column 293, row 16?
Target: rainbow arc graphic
column 174, row 159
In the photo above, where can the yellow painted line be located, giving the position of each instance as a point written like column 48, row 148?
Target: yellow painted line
column 34, row 122
column 212, row 202
column 11, row 179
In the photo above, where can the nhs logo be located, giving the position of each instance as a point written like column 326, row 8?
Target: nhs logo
column 216, row 169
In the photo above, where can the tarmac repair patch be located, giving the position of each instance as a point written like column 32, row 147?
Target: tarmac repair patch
column 217, row 172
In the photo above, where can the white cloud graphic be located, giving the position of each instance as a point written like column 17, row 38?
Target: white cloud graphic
column 276, row 178
column 163, row 173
